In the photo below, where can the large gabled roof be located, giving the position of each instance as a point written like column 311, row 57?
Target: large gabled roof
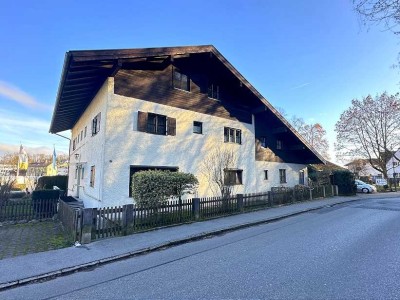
column 84, row 72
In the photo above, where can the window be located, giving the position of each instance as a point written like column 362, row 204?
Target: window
column 233, row 177
column 85, row 130
column 197, row 127
column 282, row 175
column 279, row 144
column 96, row 124
column 81, row 135
column 181, row 81
column 213, row 92
column 82, row 173
column 92, row 175
column 232, row 135
column 74, row 144
column 301, row 177
column 157, row 124
column 263, row 142
column 265, row 174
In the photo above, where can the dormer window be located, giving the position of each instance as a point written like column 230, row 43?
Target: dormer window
column 181, row 80
column 213, row 92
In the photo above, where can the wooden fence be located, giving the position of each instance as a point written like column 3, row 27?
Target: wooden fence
column 98, row 223
column 27, row 210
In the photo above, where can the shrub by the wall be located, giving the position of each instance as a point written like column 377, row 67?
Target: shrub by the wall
column 344, row 179
column 154, row 187
column 47, row 182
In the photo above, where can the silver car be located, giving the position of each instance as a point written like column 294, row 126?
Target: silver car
column 364, row 187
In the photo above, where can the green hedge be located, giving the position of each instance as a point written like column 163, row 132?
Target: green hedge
column 154, row 187
column 345, row 181
column 47, row 182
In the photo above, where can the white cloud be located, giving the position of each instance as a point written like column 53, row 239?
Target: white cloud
column 13, row 93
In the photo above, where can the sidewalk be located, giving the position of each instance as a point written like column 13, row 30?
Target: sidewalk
column 29, row 268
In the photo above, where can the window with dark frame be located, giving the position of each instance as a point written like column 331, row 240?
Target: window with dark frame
column 92, row 175
column 282, row 175
column 85, row 130
column 74, row 144
column 263, row 142
column 233, row 177
column 213, row 92
column 279, row 144
column 265, row 174
column 181, row 81
column 156, row 124
column 82, row 172
column 301, row 177
column 96, row 124
column 197, row 127
column 232, row 135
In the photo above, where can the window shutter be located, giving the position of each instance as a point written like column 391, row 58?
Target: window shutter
column 171, row 126
column 142, row 121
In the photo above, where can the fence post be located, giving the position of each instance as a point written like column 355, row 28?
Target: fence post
column 196, row 208
column 270, row 198
column 127, row 218
column 239, row 198
column 333, row 192
column 310, row 194
column 87, row 224
column 324, row 191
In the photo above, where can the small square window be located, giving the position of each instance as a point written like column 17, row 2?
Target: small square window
column 197, row 127
column 265, row 174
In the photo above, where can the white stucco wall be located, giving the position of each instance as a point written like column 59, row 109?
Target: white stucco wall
column 90, row 150
column 126, row 146
column 292, row 175
column 119, row 145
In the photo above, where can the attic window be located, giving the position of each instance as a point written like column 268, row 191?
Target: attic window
column 181, row 81
column 213, row 92
column 279, row 144
column 263, row 142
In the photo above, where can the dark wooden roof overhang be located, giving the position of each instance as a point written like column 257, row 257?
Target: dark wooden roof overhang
column 84, row 72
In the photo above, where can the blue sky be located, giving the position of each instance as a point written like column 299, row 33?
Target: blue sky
column 310, row 57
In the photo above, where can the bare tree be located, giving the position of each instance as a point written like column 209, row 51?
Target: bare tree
column 314, row 134
column 370, row 129
column 5, row 189
column 214, row 168
column 379, row 11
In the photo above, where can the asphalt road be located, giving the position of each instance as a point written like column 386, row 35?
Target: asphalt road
column 349, row 251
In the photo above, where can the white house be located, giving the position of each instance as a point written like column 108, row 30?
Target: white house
column 393, row 165
column 169, row 108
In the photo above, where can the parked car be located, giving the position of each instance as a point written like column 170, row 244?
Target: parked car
column 363, row 187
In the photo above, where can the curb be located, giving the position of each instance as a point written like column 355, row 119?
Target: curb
column 196, row 237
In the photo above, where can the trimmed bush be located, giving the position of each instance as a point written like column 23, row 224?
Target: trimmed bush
column 47, row 182
column 344, row 179
column 155, row 187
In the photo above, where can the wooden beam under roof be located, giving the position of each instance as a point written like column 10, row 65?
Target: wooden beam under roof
column 280, row 130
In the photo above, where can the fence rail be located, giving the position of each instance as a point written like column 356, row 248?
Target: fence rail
column 98, row 223
column 27, row 210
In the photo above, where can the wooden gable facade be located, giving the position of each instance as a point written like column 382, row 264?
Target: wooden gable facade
column 214, row 87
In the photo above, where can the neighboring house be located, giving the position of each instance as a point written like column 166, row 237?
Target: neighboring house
column 169, row 108
column 362, row 168
column 393, row 165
